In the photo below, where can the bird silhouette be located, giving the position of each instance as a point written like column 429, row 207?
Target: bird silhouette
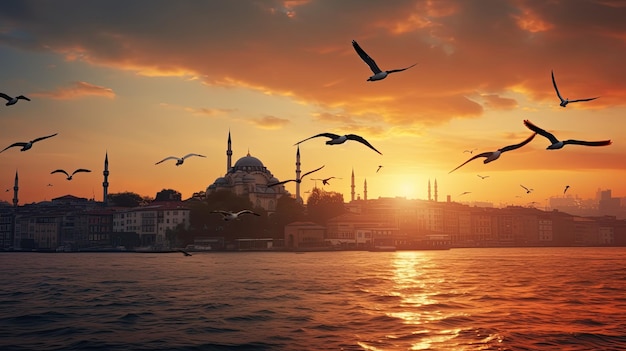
column 325, row 180
column 566, row 187
column 229, row 215
column 340, row 139
column 494, row 155
column 566, row 101
column 295, row 180
column 378, row 169
column 13, row 100
column 378, row 73
column 528, row 191
column 482, row 177
column 179, row 160
column 184, row 252
column 27, row 145
column 69, row 176
column 465, row 193
column 557, row 144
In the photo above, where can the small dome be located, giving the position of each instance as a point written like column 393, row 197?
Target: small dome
column 221, row 181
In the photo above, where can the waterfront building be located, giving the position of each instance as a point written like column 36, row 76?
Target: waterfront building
column 304, row 235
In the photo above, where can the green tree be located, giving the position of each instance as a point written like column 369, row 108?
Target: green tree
column 324, row 205
column 125, row 199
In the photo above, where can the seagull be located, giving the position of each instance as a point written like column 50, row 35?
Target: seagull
column 566, row 101
column 298, row 180
column 482, row 177
column 184, row 252
column 28, row 145
column 179, row 160
column 528, row 191
column 340, row 139
column 470, row 151
column 378, row 169
column 50, row 184
column 325, row 180
column 566, row 187
column 69, row 176
column 494, row 155
column 13, row 100
column 229, row 216
column 378, row 74
column 556, row 144
column 465, row 192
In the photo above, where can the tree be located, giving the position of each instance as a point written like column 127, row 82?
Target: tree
column 324, row 205
column 168, row 195
column 125, row 199
column 288, row 210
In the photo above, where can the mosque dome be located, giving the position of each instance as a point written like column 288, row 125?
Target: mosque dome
column 248, row 161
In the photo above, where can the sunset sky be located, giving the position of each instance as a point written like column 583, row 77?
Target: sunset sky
column 143, row 80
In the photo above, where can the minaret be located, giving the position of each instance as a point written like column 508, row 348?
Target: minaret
column 352, row 185
column 365, row 190
column 229, row 154
column 429, row 197
column 105, row 183
column 435, row 190
column 298, row 198
column 15, row 189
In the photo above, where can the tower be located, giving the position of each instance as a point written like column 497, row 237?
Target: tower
column 365, row 190
column 352, row 186
column 429, row 197
column 229, row 154
column 435, row 190
column 15, row 189
column 105, row 183
column 298, row 198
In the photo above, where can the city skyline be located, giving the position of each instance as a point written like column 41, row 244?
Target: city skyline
column 121, row 84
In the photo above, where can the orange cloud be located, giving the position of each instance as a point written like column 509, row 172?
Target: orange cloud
column 77, row 90
column 269, row 122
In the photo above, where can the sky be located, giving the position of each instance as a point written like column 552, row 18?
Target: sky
column 143, row 80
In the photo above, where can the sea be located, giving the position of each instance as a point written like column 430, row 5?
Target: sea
column 458, row 299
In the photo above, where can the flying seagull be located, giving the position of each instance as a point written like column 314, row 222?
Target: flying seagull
column 179, row 160
column 566, row 187
column 184, row 252
column 494, row 155
column 464, row 193
column 482, row 177
column 528, row 191
column 470, row 151
column 13, row 100
column 340, row 139
column 229, row 216
column 297, row 180
column 378, row 73
column 69, row 176
column 27, row 145
column 566, row 101
column 325, row 180
column 557, row 144
column 378, row 169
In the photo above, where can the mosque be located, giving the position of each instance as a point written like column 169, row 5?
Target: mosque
column 249, row 177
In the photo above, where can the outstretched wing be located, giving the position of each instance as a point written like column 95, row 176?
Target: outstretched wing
column 168, row 158
column 540, row 131
column 365, row 57
column 23, row 98
column 283, row 182
column 484, row 154
column 247, row 212
column 517, row 146
column 45, row 137
column 555, row 88
column 5, row 96
column 362, row 141
column 189, row 155
column 81, row 170
column 588, row 99
column 588, row 143
column 309, row 172
column 328, row 135
column 60, row 171
column 525, row 188
column 14, row 144
column 401, row 69
column 225, row 213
